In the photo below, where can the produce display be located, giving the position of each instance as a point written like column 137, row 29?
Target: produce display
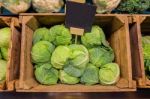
column 16, row 6
column 133, row 6
column 146, row 52
column 4, row 44
column 57, row 58
column 106, row 6
column 45, row 6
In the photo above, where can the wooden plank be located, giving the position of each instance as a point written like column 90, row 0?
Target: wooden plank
column 12, row 72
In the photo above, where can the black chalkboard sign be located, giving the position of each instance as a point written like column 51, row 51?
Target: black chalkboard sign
column 79, row 15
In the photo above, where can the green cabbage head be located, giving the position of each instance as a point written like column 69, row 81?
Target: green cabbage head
column 109, row 74
column 46, row 74
column 60, row 56
column 5, row 34
column 4, row 52
column 3, row 65
column 67, row 79
column 100, row 56
column 72, row 58
column 90, row 75
column 60, row 35
column 41, row 52
column 94, row 38
column 40, row 34
column 78, row 60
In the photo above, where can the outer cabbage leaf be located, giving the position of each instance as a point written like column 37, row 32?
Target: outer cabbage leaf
column 101, row 55
column 4, row 52
column 109, row 74
column 41, row 52
column 90, row 75
column 67, row 79
column 46, row 75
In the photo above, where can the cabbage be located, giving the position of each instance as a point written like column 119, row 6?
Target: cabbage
column 94, row 38
column 17, row 6
column 46, row 6
column 77, row 60
column 4, row 52
column 101, row 55
column 109, row 74
column 40, row 34
column 72, row 58
column 60, row 35
column 146, row 52
column 41, row 52
column 90, row 75
column 45, row 74
column 60, row 56
column 5, row 37
column 3, row 65
column 67, row 79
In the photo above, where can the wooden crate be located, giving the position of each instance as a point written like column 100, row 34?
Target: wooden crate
column 13, row 63
column 117, row 32
column 140, row 26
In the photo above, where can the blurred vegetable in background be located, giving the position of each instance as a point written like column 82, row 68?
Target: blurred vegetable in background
column 47, row 6
column 146, row 52
column 106, row 6
column 16, row 6
column 133, row 6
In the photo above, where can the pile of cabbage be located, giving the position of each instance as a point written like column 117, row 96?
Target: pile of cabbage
column 146, row 52
column 57, row 59
column 5, row 34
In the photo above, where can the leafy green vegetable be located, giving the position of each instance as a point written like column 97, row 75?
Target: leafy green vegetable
column 3, row 65
column 146, row 52
column 46, row 75
column 133, row 6
column 90, row 75
column 100, row 56
column 95, row 38
column 67, row 79
column 60, row 35
column 40, row 34
column 109, row 74
column 41, row 52
column 5, row 36
column 60, row 56
column 4, row 52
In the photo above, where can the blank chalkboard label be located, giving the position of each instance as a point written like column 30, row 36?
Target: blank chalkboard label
column 79, row 16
